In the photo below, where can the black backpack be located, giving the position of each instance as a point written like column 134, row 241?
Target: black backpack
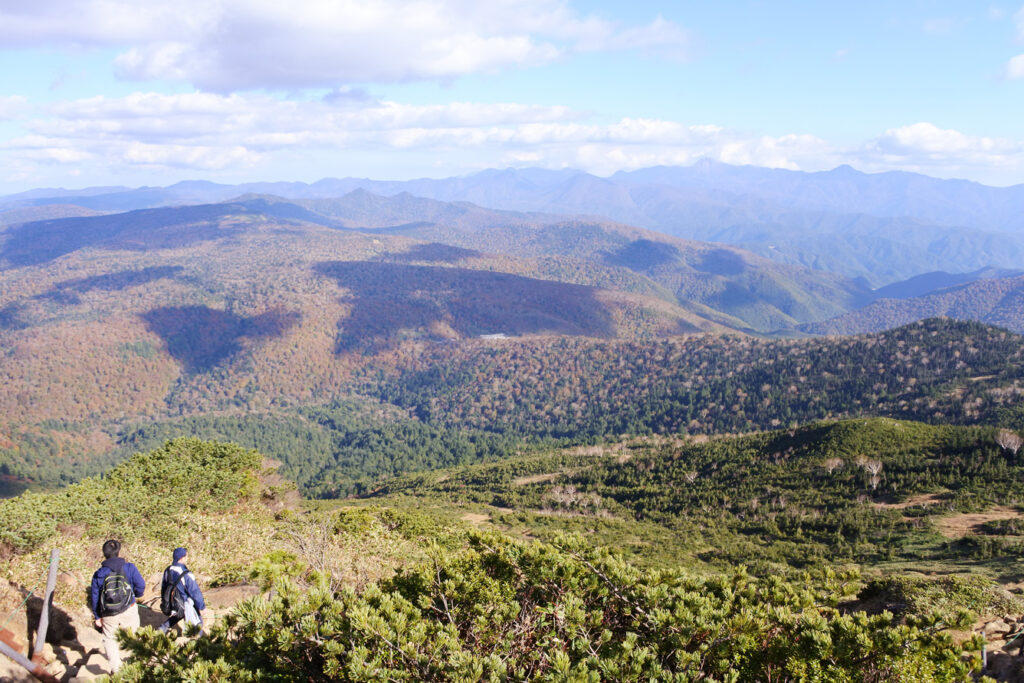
column 171, row 599
column 117, row 594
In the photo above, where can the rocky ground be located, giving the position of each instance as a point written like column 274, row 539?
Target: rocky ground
column 74, row 649
column 1004, row 647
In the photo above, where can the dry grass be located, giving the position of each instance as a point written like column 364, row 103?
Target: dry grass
column 958, row 526
column 923, row 499
column 475, row 518
column 536, row 478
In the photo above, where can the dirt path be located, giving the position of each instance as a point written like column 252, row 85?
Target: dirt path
column 958, row 526
column 78, row 656
column 535, row 478
column 920, row 499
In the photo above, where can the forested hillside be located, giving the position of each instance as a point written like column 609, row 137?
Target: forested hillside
column 418, row 405
column 997, row 301
column 936, row 370
column 499, row 333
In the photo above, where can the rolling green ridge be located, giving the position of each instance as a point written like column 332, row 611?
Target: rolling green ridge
column 771, row 501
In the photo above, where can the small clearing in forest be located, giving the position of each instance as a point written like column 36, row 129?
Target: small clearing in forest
column 919, row 499
column 958, row 526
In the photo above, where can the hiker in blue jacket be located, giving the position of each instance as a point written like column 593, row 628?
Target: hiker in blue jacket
column 180, row 597
column 116, row 587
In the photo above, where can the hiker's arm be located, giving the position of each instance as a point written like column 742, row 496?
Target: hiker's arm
column 94, row 596
column 138, row 583
column 195, row 593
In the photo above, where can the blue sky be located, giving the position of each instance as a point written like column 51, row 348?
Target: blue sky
column 101, row 92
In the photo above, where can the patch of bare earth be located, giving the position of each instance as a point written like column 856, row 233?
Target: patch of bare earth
column 958, row 526
column 535, row 479
column 475, row 518
column 920, row 499
column 74, row 649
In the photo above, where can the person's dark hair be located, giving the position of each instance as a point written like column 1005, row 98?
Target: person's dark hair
column 111, row 548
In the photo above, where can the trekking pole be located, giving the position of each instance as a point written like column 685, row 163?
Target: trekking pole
column 1014, row 637
column 33, row 668
column 44, row 614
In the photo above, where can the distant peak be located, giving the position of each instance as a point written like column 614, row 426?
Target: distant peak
column 845, row 169
column 194, row 184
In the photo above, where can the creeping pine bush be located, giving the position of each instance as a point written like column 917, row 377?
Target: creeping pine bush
column 917, row 594
column 139, row 496
column 506, row 610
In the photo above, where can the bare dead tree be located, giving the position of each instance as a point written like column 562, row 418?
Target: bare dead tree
column 874, row 468
column 313, row 542
column 1009, row 441
column 830, row 465
column 690, row 476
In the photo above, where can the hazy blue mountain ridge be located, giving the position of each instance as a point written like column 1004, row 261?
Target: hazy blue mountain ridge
column 881, row 227
column 994, row 301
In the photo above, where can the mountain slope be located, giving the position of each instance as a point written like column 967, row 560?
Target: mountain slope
column 927, row 283
column 715, row 277
column 846, row 190
column 719, row 282
column 995, row 301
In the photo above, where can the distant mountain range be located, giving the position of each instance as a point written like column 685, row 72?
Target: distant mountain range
column 996, row 301
column 881, row 227
column 716, row 284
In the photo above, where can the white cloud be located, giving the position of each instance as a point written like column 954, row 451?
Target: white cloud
column 926, row 148
column 199, row 157
column 206, row 131
column 246, row 44
column 12, row 106
column 47, row 149
column 1015, row 67
column 212, row 133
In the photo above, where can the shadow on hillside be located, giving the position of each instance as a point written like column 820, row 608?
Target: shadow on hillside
column 10, row 487
column 642, row 255
column 121, row 280
column 66, row 292
column 432, row 253
column 41, row 241
column 200, row 337
column 10, row 317
column 722, row 262
column 390, row 300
